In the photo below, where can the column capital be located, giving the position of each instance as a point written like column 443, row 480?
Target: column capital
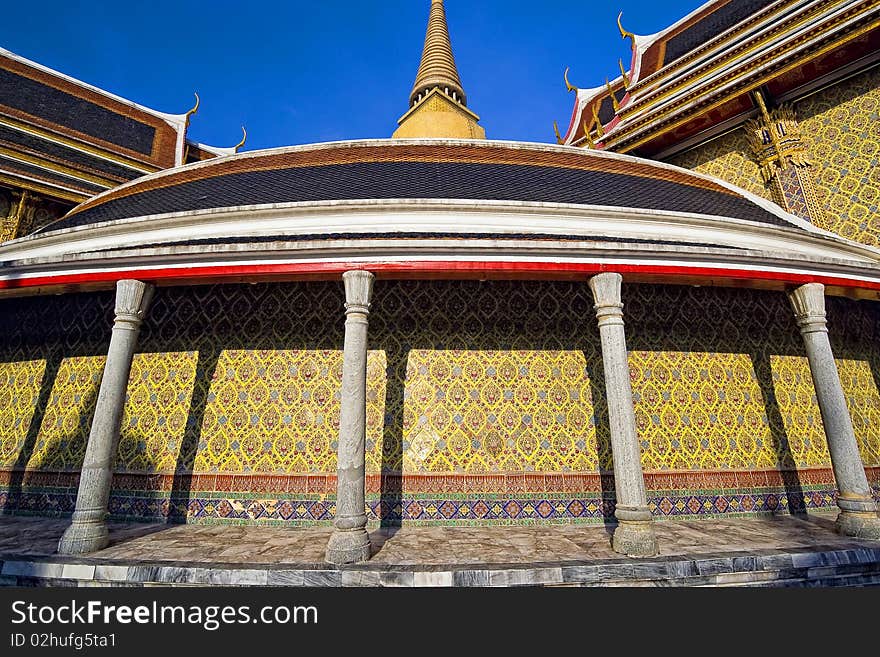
column 358, row 291
column 808, row 303
column 606, row 290
column 132, row 300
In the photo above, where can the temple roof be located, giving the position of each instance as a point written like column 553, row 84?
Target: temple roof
column 432, row 208
column 692, row 80
column 69, row 140
column 369, row 170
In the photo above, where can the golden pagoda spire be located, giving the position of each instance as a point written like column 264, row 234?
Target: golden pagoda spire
column 438, row 103
column 438, row 63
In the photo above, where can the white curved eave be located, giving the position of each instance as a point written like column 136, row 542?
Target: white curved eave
column 488, row 231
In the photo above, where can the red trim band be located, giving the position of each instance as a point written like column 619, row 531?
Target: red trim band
column 433, row 269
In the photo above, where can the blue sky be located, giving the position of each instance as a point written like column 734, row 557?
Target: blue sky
column 301, row 72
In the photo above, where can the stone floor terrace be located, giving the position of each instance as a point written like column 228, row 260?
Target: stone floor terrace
column 773, row 550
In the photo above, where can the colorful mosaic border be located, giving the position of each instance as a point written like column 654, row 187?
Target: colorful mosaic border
column 777, row 492
column 240, row 509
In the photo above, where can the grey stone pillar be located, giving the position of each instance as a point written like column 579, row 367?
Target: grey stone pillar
column 88, row 529
column 858, row 512
column 350, row 542
column 635, row 531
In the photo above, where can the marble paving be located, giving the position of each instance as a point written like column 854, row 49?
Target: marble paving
column 426, row 545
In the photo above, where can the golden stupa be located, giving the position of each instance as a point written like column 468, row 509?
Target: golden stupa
column 438, row 103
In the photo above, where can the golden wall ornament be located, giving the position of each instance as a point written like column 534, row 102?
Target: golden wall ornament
column 7, row 210
column 776, row 140
column 21, row 216
column 838, row 127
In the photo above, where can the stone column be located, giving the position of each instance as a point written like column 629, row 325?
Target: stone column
column 635, row 532
column 350, row 542
column 858, row 512
column 88, row 529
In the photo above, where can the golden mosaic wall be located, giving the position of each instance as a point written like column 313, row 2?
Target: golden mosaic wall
column 159, row 391
column 278, row 412
column 720, row 380
column 840, row 128
column 488, row 378
column 464, row 378
column 65, row 424
column 496, row 411
column 728, row 157
column 49, row 372
column 19, row 388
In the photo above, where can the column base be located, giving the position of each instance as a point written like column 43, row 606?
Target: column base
column 635, row 538
column 345, row 547
column 83, row 538
column 858, row 524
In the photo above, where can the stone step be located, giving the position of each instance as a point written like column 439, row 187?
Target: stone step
column 854, row 567
column 866, row 574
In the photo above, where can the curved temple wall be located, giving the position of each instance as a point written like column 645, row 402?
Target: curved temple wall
column 485, row 402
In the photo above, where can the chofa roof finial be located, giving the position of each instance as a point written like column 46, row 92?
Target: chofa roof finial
column 625, row 33
column 243, row 139
column 558, row 136
column 194, row 109
column 568, row 85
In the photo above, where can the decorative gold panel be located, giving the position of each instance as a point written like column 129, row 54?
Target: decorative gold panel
column 840, row 128
column 496, row 411
column 863, row 400
column 156, row 410
column 278, row 412
column 61, row 442
column 728, row 157
column 700, row 411
column 19, row 388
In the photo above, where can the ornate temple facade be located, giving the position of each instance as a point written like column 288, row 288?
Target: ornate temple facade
column 778, row 98
column 673, row 313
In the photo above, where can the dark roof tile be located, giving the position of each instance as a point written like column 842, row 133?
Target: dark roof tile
column 710, row 26
column 61, row 108
column 422, row 180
